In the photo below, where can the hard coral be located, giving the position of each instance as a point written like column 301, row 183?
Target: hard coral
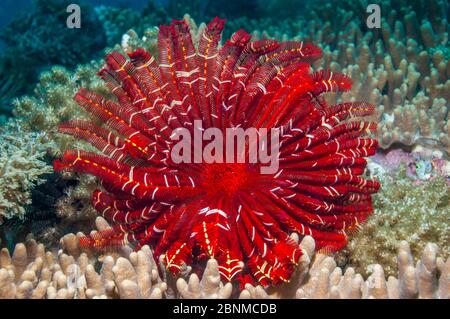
column 230, row 212
column 32, row 272
column 403, row 67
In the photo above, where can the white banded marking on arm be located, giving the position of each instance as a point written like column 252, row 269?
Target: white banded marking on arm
column 264, row 250
column 278, row 174
column 223, row 227
column 140, row 100
column 167, row 65
column 207, row 57
column 185, row 74
column 158, row 230
column 146, row 64
column 154, row 192
column 262, row 87
column 134, row 188
column 216, row 211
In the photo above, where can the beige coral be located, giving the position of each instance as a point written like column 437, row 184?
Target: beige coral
column 401, row 68
column 429, row 279
column 31, row 272
column 210, row 286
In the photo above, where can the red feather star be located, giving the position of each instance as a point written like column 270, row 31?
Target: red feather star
column 228, row 211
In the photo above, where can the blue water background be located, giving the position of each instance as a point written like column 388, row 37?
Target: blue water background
column 8, row 8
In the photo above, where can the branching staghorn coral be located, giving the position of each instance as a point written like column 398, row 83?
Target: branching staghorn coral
column 22, row 166
column 32, row 272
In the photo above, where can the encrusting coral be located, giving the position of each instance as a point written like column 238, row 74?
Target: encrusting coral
column 32, row 272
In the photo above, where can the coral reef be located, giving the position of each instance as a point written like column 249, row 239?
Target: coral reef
column 32, row 272
column 417, row 213
column 52, row 104
column 116, row 21
column 22, row 166
column 403, row 68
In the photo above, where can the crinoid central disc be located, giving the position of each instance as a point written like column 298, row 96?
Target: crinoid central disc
column 226, row 179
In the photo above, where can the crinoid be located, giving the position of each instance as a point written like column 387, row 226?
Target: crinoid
column 232, row 211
